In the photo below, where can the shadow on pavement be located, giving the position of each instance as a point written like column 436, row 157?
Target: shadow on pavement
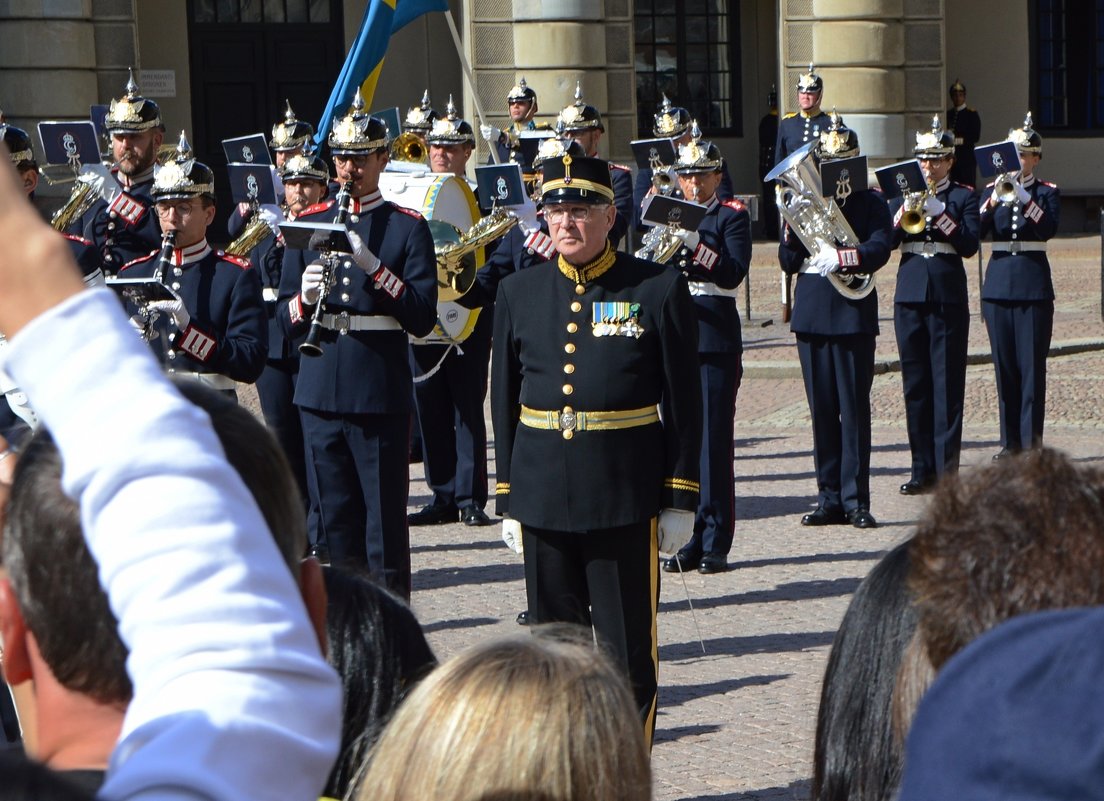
column 460, row 623
column 494, row 545
column 493, row 573
column 670, row 735
column 853, row 556
column 751, row 644
column 794, row 790
column 678, row 695
column 790, row 591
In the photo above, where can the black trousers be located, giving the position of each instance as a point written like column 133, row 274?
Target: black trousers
column 450, row 414
column 932, row 340
column 838, row 373
column 1019, row 336
column 276, row 388
column 361, row 475
column 608, row 579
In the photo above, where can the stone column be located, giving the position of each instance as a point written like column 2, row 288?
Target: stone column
column 553, row 44
column 881, row 61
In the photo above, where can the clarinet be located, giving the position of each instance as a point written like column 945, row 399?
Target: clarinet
column 168, row 242
column 312, row 345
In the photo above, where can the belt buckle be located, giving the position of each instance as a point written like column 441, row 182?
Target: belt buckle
column 568, row 420
column 341, row 323
column 1015, row 247
column 928, row 249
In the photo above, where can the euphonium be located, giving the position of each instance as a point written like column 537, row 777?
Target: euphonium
column 312, row 345
column 408, row 147
column 81, row 199
column 455, row 273
column 815, row 219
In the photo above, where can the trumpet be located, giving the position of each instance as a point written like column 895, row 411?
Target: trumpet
column 913, row 219
column 312, row 345
column 663, row 180
column 408, row 147
column 1004, row 188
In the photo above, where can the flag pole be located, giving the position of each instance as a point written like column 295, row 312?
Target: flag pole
column 471, row 80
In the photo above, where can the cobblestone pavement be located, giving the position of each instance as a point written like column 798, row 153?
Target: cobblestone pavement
column 737, row 721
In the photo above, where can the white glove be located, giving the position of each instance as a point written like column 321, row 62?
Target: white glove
column 511, row 535
column 364, row 258
column 490, row 133
column 272, row 217
column 933, row 206
column 1022, row 194
column 527, row 216
column 826, row 261
column 311, row 286
column 674, row 530
column 690, row 239
column 99, row 178
column 175, row 308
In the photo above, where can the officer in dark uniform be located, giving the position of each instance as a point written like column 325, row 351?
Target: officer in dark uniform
column 305, row 179
column 965, row 125
column 583, row 123
column 931, row 315
column 128, row 227
column 522, row 101
column 835, row 343
column 715, row 260
column 805, row 125
column 671, row 122
column 1017, row 297
column 586, row 351
column 290, row 137
column 451, row 380
column 768, row 138
column 214, row 329
column 355, row 398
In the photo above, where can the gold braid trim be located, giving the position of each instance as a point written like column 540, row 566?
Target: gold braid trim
column 590, row 270
column 682, row 484
column 502, row 488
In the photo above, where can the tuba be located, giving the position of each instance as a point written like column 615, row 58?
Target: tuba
column 816, row 220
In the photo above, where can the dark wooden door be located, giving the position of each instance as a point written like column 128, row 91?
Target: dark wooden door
column 248, row 58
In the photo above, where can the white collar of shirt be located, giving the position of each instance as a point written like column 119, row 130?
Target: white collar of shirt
column 943, row 185
column 190, row 254
column 1028, row 182
column 959, row 108
column 368, row 202
column 712, row 203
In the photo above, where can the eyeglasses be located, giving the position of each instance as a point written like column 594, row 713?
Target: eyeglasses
column 559, row 214
column 183, row 209
column 356, row 161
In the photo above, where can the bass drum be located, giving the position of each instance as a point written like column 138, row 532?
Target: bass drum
column 448, row 199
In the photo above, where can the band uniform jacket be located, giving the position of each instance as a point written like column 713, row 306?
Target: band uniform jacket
column 268, row 260
column 797, row 128
column 938, row 277
column 1023, row 276
column 227, row 333
column 714, row 269
column 365, row 372
column 553, row 351
column 621, row 177
column 643, row 183
column 125, row 230
column 819, row 309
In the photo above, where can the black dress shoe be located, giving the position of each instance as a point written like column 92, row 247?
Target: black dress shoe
column 861, row 518
column 523, row 618
column 1003, row 453
column 713, row 563
column 824, row 517
column 433, row 514
column 688, row 561
column 917, row 487
column 474, row 516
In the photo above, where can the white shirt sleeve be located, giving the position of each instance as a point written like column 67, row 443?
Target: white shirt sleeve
column 232, row 697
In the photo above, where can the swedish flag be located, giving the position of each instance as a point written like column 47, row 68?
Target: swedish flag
column 365, row 60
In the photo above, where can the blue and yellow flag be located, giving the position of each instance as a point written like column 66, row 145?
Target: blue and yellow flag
column 365, row 60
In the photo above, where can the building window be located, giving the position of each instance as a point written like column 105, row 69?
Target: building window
column 1069, row 61
column 690, row 52
column 260, row 11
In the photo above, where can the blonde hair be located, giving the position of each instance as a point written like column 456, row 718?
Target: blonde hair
column 542, row 718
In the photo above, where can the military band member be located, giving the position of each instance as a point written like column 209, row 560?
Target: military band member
column 583, row 123
column 835, row 343
column 715, row 259
column 965, row 125
column 1017, row 297
column 806, row 124
column 587, row 349
column 522, row 102
column 290, row 137
column 451, row 381
column 671, row 122
column 128, row 227
column 355, row 398
column 420, row 118
column 214, row 328
column 931, row 315
column 305, row 179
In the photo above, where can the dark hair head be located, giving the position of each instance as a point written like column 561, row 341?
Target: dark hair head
column 378, row 648
column 1023, row 535
column 856, row 757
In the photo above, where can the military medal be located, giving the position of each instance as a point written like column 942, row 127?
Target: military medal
column 616, row 319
